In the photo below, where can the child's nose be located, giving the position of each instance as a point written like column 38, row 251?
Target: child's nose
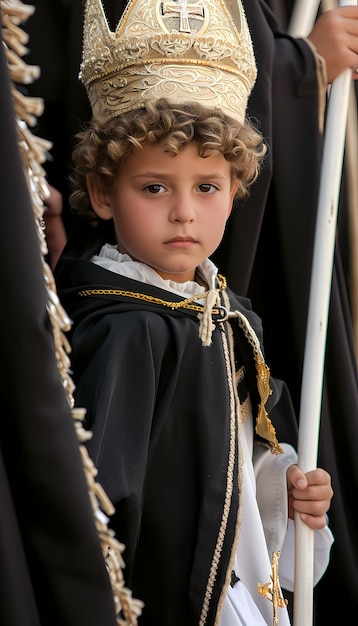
column 182, row 209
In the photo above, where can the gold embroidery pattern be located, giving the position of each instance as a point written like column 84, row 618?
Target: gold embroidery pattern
column 197, row 52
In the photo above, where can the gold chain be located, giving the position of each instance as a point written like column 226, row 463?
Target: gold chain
column 182, row 304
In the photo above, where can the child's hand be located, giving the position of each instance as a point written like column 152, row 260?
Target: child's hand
column 310, row 494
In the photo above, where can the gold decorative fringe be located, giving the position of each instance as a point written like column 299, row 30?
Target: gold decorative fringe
column 34, row 151
column 264, row 426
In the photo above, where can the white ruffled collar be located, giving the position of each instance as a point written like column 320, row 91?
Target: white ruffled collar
column 111, row 259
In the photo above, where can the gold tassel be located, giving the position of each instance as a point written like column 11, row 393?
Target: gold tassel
column 264, row 427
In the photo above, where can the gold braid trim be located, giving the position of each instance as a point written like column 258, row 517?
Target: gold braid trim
column 33, row 151
column 230, row 475
column 263, row 427
column 228, row 346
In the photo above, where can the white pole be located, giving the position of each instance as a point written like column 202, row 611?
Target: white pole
column 313, row 366
column 351, row 163
column 303, row 17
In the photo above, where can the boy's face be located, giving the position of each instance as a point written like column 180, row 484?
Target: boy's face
column 169, row 211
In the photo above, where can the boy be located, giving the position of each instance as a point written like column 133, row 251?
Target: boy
column 166, row 359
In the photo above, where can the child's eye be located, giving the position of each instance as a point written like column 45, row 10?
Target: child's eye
column 155, row 188
column 207, row 188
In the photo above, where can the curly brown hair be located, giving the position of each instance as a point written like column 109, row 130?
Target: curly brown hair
column 103, row 146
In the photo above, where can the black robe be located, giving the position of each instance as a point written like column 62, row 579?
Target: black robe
column 160, row 409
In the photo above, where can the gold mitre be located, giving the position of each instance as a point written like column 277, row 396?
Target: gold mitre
column 182, row 50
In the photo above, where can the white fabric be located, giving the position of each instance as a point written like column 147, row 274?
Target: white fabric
column 115, row 261
column 252, row 547
column 239, row 608
column 265, row 527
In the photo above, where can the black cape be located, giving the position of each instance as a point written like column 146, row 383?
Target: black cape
column 159, row 407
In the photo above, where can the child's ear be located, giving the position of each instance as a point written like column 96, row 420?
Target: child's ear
column 99, row 198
